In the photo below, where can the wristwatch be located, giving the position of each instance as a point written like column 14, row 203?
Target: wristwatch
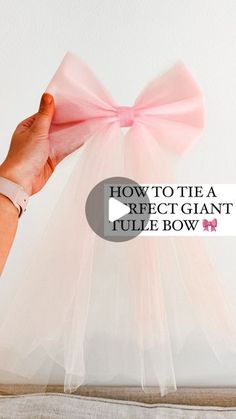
column 15, row 193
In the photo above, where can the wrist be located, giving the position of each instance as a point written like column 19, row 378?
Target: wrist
column 8, row 207
column 14, row 173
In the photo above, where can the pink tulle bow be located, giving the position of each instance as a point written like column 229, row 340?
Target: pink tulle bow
column 212, row 224
column 170, row 107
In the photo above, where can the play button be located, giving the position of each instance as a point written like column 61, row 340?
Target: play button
column 117, row 209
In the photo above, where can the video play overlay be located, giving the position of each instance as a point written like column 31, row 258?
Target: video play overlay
column 119, row 209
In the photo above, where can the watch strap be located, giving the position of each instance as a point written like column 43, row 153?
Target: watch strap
column 15, row 193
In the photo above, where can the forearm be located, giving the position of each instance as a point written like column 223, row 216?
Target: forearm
column 29, row 165
column 9, row 216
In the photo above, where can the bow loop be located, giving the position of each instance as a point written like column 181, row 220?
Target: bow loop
column 172, row 108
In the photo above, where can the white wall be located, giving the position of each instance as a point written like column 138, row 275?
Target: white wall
column 126, row 42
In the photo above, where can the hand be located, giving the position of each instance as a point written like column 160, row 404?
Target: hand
column 28, row 162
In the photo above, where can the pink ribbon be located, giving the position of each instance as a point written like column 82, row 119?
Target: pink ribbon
column 170, row 107
column 212, row 224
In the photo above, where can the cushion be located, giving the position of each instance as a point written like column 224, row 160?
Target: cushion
column 62, row 406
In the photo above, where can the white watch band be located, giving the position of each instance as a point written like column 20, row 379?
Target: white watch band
column 15, row 193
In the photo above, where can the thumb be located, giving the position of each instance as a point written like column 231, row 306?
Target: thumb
column 44, row 116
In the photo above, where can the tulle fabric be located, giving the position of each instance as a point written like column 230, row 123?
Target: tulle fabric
column 108, row 312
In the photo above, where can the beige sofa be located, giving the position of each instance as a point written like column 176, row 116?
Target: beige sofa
column 202, row 396
column 185, row 404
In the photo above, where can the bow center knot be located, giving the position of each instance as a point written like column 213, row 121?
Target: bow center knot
column 126, row 115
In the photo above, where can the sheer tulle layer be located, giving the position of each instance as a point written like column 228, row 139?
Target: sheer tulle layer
column 106, row 312
column 109, row 311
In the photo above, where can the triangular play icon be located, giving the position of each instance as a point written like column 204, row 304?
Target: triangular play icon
column 117, row 209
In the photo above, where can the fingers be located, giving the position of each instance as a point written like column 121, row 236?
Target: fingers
column 43, row 118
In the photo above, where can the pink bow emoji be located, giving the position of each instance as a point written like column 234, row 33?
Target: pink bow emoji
column 170, row 108
column 212, row 224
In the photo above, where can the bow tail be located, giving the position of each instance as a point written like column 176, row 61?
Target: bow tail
column 177, row 288
column 162, row 323
column 60, row 279
column 145, row 159
column 145, row 162
column 89, row 260
column 129, row 273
